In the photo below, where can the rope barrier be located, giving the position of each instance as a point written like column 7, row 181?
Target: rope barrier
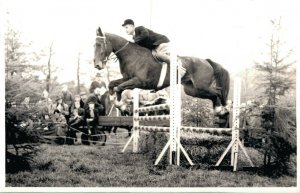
column 52, row 136
column 97, row 134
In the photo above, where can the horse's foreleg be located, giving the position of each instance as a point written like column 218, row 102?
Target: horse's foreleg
column 129, row 84
column 115, row 83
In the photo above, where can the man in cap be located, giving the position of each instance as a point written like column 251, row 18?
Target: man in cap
column 61, row 107
column 76, row 120
column 98, row 82
column 91, row 116
column 149, row 39
column 96, row 99
column 83, row 98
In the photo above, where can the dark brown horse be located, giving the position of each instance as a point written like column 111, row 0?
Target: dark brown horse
column 203, row 78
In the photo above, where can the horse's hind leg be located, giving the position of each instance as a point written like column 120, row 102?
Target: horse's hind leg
column 205, row 93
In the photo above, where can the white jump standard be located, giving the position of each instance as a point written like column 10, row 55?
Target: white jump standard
column 175, row 123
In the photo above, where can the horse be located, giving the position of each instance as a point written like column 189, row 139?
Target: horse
column 204, row 79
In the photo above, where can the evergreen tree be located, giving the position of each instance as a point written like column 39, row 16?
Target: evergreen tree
column 15, row 55
column 276, row 80
column 274, row 72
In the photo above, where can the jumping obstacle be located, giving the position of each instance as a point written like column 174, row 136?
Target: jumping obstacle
column 175, row 123
column 235, row 140
column 174, row 118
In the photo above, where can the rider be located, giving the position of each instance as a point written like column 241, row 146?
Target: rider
column 148, row 39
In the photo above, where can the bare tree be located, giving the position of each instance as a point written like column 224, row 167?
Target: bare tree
column 48, row 79
column 78, row 72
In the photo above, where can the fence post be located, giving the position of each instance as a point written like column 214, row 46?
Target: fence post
column 135, row 121
column 236, row 122
column 173, row 106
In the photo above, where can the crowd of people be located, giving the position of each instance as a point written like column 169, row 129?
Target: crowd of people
column 66, row 113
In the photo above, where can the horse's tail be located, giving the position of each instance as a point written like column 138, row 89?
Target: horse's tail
column 222, row 79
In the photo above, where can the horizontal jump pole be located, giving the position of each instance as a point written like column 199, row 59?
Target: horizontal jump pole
column 219, row 131
column 151, row 118
column 223, row 131
column 153, row 128
column 125, row 121
column 115, row 121
column 152, row 108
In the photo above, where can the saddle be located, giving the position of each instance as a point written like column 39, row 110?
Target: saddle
column 162, row 60
column 159, row 58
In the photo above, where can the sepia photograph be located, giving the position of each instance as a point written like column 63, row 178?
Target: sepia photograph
column 149, row 95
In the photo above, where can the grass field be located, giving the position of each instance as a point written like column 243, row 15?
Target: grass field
column 105, row 166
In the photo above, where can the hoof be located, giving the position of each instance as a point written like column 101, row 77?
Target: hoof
column 118, row 104
column 111, row 92
column 116, row 89
column 112, row 97
column 220, row 111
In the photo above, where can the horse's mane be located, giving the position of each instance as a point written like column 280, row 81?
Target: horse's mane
column 134, row 45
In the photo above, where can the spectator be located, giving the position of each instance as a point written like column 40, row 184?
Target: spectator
column 61, row 107
column 45, row 97
column 67, row 96
column 126, row 103
column 105, row 101
column 149, row 98
column 25, row 103
column 91, row 116
column 27, row 122
column 45, row 105
column 13, row 74
column 98, row 82
column 77, row 114
column 76, row 99
column 83, row 98
column 60, row 126
column 96, row 99
column 13, row 104
column 76, row 120
column 7, row 104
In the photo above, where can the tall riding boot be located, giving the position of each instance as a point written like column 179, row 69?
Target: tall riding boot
column 163, row 57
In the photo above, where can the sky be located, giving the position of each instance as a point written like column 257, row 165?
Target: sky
column 230, row 32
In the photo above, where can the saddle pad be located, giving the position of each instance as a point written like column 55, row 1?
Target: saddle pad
column 163, row 72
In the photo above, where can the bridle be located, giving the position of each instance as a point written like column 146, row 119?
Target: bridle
column 110, row 57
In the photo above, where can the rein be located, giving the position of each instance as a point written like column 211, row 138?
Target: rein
column 111, row 57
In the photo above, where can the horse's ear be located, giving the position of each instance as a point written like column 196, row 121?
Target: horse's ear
column 99, row 32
